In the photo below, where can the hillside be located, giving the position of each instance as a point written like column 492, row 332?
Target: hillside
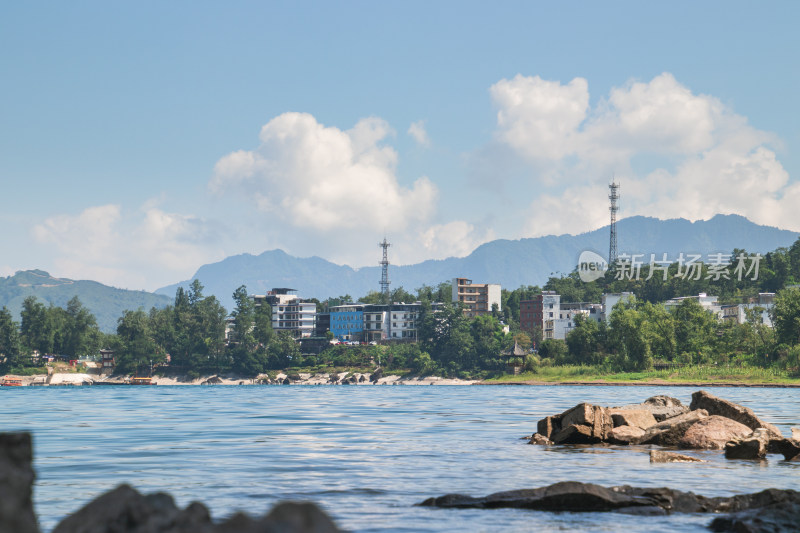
column 106, row 303
column 509, row 262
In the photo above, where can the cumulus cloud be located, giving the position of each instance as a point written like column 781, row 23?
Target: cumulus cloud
column 419, row 133
column 677, row 153
column 326, row 179
column 143, row 249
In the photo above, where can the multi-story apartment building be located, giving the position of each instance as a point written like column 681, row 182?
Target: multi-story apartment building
column 537, row 315
column 347, row 321
column 289, row 312
column 478, row 298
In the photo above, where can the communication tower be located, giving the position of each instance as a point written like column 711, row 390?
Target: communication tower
column 613, row 188
column 385, row 270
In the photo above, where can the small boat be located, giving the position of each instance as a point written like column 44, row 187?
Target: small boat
column 11, row 381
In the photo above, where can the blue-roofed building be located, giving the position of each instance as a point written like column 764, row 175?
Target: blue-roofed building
column 347, row 321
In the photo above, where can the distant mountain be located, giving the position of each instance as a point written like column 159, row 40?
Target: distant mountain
column 106, row 303
column 509, row 262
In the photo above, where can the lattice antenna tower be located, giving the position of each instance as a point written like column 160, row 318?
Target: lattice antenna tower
column 385, row 270
column 613, row 188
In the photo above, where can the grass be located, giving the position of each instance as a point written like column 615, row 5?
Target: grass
column 689, row 374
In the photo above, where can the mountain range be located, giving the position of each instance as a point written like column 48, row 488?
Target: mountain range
column 106, row 303
column 511, row 263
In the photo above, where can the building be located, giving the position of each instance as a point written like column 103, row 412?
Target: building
column 289, row 312
column 107, row 361
column 396, row 322
column 535, row 314
column 608, row 301
column 478, row 298
column 347, row 321
column 761, row 306
column 709, row 303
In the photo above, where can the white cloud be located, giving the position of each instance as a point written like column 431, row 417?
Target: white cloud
column 678, row 154
column 145, row 249
column 418, row 132
column 326, row 179
column 454, row 239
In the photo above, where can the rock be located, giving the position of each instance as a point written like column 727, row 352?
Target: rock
column 657, row 456
column 661, row 407
column 126, row 510
column 539, row 439
column 548, row 426
column 743, row 415
column 362, row 379
column 712, row 433
column 582, row 414
column 753, row 446
column 625, row 435
column 16, row 484
column 671, row 431
column 586, row 497
column 640, row 418
column 663, row 401
column 287, row 381
column 796, row 433
column 565, row 496
column 375, row 376
column 789, row 448
column 289, row 517
column 575, row 434
column 775, row 518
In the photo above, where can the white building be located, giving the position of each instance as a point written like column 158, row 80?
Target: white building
column 610, row 300
column 289, row 312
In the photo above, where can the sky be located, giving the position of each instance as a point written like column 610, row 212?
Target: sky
column 141, row 140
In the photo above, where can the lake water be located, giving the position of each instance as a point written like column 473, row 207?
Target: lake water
column 366, row 454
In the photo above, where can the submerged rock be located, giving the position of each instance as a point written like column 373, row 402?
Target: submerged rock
column 657, row 456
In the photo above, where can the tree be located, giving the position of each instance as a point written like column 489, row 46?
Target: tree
column 82, row 334
column 695, row 331
column 9, row 341
column 137, row 349
column 242, row 338
column 786, row 316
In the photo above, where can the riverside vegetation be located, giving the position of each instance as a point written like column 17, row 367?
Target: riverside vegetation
column 640, row 335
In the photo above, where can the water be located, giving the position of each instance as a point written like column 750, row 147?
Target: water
column 366, row 454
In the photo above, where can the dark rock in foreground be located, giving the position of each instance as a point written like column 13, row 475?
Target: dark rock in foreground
column 124, row 510
column 782, row 505
column 16, row 484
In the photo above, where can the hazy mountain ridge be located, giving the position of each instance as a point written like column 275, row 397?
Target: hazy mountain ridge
column 529, row 261
column 106, row 303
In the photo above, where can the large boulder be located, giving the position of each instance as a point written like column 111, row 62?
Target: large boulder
column 583, row 424
column 661, row 407
column 753, row 446
column 789, row 448
column 625, row 435
column 671, row 431
column 16, row 484
column 575, row 434
column 640, row 418
column 743, row 415
column 549, row 426
column 712, row 433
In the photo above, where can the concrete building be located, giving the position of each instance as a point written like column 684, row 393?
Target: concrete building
column 347, row 321
column 289, row 312
column 709, row 303
column 762, row 306
column 478, row 298
column 538, row 314
column 608, row 301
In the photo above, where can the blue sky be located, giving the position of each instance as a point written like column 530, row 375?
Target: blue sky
column 139, row 141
